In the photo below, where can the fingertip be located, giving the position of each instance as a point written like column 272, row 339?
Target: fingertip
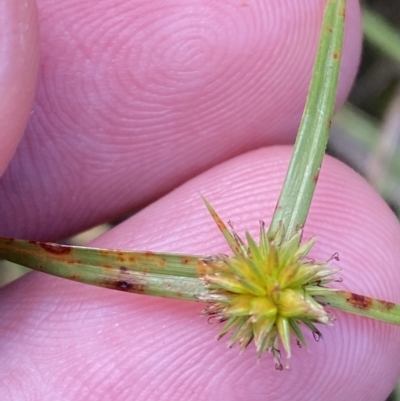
column 19, row 44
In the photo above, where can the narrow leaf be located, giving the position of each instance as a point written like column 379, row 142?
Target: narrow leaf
column 312, row 138
column 362, row 305
column 160, row 274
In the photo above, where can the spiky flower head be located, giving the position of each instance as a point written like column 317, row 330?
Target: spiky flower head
column 265, row 292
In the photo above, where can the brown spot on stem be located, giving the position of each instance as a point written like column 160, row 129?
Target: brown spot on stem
column 159, row 261
column 359, row 301
column 56, row 249
column 209, row 265
column 336, row 55
column 342, row 12
column 123, row 285
column 202, row 269
column 315, row 178
column 300, row 227
column 123, row 269
column 387, row 305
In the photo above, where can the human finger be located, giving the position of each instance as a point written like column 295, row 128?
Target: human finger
column 19, row 62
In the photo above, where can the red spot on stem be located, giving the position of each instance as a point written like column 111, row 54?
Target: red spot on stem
column 125, row 285
column 55, row 248
column 123, row 269
column 387, row 305
column 359, row 301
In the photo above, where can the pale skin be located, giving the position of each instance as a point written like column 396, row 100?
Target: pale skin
column 133, row 100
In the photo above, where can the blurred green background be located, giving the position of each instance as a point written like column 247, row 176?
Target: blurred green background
column 367, row 129
column 365, row 133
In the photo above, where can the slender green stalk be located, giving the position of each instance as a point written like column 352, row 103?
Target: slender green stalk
column 302, row 176
column 364, row 306
column 163, row 275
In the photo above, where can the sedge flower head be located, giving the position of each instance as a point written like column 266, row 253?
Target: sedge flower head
column 266, row 292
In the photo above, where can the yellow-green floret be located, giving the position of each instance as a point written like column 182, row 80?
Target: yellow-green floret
column 266, row 291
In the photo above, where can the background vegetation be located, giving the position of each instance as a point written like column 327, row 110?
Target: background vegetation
column 366, row 133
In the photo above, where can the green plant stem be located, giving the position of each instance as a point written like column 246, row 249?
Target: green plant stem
column 148, row 273
column 298, row 189
column 364, row 306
